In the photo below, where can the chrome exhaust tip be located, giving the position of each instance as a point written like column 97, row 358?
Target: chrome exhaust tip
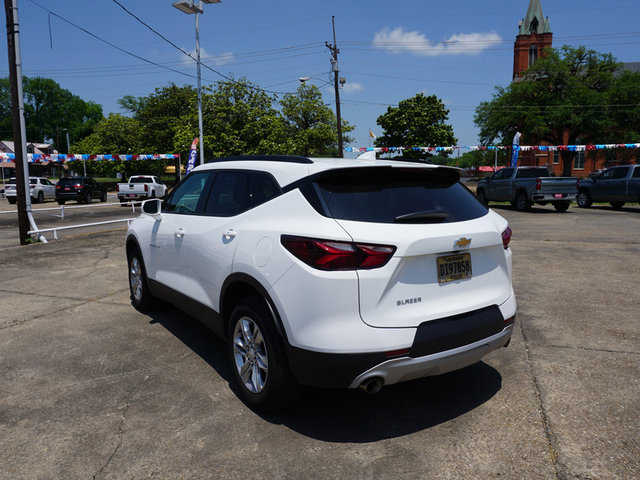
column 372, row 385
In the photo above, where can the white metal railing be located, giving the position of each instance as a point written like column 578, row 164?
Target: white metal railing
column 62, row 208
column 55, row 230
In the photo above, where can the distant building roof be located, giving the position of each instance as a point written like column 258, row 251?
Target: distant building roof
column 534, row 22
column 7, row 146
column 631, row 67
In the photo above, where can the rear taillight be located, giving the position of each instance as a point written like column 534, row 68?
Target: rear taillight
column 77, row 185
column 538, row 184
column 117, row 187
column 146, row 187
column 58, row 187
column 506, row 237
column 331, row 255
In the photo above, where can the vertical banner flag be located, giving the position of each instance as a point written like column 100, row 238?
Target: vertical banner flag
column 193, row 153
column 515, row 148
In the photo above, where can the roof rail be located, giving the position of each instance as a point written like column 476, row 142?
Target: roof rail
column 263, row 158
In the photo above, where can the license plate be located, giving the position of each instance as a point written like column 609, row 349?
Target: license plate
column 66, row 189
column 557, row 195
column 454, row 267
column 131, row 195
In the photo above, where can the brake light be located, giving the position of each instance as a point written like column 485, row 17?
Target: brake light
column 77, row 185
column 146, row 187
column 332, row 255
column 58, row 187
column 117, row 187
column 506, row 237
column 538, row 184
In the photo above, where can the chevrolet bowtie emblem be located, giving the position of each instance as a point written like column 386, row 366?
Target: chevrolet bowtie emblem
column 462, row 242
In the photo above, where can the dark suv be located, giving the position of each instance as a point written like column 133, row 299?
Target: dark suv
column 81, row 189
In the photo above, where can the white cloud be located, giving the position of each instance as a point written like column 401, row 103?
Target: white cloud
column 350, row 87
column 400, row 40
column 215, row 60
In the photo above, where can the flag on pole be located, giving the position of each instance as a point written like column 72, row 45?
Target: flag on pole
column 193, row 153
column 371, row 134
column 515, row 149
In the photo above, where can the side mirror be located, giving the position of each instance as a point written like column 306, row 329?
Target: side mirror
column 152, row 207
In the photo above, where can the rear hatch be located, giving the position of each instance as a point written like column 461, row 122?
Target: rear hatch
column 449, row 255
column 567, row 185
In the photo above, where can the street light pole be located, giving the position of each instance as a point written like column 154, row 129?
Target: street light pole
column 334, row 67
column 191, row 8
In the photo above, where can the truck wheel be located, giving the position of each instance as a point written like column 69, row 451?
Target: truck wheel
column 561, row 206
column 617, row 205
column 61, row 202
column 103, row 197
column 87, row 198
column 482, row 196
column 584, row 199
column 153, row 194
column 522, row 202
column 257, row 356
column 12, row 200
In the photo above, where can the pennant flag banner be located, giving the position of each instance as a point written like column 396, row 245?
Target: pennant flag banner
column 193, row 153
column 39, row 158
column 522, row 148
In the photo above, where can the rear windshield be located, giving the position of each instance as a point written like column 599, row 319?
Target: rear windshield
column 141, row 180
column 69, row 181
column 532, row 173
column 397, row 195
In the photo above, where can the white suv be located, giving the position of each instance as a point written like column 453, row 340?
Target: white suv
column 328, row 272
column 40, row 188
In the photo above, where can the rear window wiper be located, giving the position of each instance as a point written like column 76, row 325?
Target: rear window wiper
column 416, row 217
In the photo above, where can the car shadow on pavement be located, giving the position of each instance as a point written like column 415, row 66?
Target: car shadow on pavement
column 539, row 209
column 342, row 415
column 352, row 416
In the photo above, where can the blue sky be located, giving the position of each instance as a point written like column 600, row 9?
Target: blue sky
column 389, row 51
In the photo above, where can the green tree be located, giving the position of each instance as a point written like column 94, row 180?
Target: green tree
column 568, row 95
column 311, row 124
column 417, row 121
column 50, row 112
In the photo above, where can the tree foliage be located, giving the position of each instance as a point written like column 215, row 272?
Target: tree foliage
column 571, row 95
column 416, row 121
column 50, row 112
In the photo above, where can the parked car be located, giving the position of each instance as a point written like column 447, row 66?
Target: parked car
column 141, row 187
column 328, row 272
column 524, row 186
column 616, row 185
column 80, row 189
column 40, row 189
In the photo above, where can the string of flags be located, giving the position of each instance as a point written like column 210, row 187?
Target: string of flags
column 523, row 148
column 42, row 157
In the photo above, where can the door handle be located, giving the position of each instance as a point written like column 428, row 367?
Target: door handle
column 229, row 234
column 180, row 232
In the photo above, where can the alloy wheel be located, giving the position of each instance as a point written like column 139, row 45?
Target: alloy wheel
column 250, row 355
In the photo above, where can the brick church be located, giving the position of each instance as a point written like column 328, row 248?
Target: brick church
column 534, row 36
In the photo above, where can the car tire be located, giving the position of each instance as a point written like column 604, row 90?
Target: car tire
column 482, row 196
column 257, row 357
column 153, row 194
column 561, row 206
column 61, row 202
column 522, row 202
column 584, row 199
column 617, row 205
column 87, row 198
column 103, row 197
column 12, row 200
column 40, row 198
column 141, row 297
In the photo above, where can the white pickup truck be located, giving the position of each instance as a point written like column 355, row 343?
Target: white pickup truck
column 141, row 187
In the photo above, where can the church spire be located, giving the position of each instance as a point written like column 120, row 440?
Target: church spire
column 534, row 22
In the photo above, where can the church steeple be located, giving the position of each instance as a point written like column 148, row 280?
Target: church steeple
column 534, row 35
column 534, row 22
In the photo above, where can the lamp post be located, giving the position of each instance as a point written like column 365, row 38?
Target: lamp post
column 191, row 8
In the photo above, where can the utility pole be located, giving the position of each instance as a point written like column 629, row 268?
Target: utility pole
column 334, row 67
column 17, row 113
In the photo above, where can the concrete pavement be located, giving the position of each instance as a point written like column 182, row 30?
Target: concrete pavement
column 91, row 388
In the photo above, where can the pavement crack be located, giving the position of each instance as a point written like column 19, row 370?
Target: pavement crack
column 551, row 439
column 592, row 349
column 123, row 420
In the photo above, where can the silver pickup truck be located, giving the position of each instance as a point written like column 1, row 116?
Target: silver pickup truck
column 524, row 186
column 616, row 185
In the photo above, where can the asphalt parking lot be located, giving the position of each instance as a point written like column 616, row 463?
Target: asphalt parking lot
column 91, row 388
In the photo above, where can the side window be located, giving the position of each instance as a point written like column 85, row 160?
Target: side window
column 229, row 195
column 620, row 172
column 636, row 172
column 504, row 174
column 185, row 197
column 263, row 188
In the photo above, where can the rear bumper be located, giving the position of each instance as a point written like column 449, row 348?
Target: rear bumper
column 552, row 197
column 438, row 347
column 133, row 196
